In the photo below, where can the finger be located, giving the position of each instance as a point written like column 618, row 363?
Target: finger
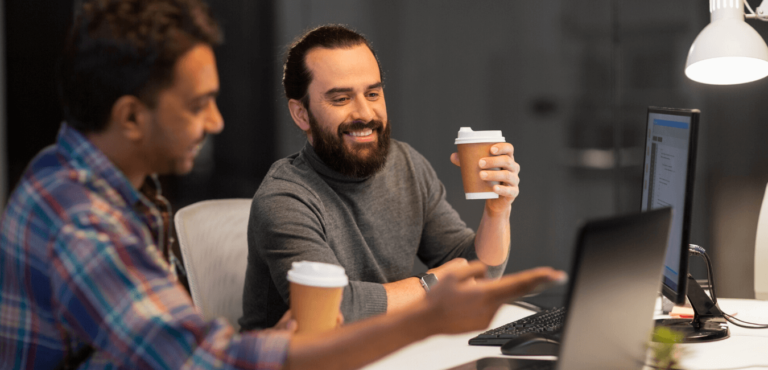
column 340, row 319
column 519, row 284
column 506, row 191
column 455, row 159
column 524, row 282
column 502, row 148
column 503, row 162
column 458, row 261
column 474, row 269
column 506, row 177
column 292, row 326
column 282, row 323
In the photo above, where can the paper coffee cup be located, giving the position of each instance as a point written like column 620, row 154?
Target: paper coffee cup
column 316, row 292
column 472, row 146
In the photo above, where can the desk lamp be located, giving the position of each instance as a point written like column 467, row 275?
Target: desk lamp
column 728, row 51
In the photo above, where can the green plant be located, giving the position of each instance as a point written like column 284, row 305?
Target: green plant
column 665, row 348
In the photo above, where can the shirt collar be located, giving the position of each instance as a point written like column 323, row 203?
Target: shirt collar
column 94, row 167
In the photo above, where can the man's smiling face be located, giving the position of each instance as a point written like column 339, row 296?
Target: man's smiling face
column 347, row 112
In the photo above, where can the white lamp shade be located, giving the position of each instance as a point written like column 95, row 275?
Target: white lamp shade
column 727, row 51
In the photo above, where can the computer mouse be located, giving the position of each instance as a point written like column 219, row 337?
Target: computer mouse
column 532, row 344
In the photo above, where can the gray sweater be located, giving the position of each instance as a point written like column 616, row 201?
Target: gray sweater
column 373, row 227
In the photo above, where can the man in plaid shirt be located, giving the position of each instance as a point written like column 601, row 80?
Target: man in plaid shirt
column 84, row 241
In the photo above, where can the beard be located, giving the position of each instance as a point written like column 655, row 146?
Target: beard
column 361, row 160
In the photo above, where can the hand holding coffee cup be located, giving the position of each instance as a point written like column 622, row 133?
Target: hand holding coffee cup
column 316, row 292
column 488, row 168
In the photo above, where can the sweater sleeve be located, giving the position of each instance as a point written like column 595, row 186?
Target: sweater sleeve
column 287, row 225
column 445, row 235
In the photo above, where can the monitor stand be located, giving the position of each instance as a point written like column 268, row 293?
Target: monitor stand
column 708, row 322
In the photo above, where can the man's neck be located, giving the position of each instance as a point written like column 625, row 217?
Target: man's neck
column 122, row 155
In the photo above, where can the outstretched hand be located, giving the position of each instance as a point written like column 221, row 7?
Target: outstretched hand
column 463, row 300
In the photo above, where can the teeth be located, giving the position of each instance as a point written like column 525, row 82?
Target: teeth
column 361, row 133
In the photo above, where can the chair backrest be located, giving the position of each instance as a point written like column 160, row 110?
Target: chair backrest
column 761, row 251
column 213, row 239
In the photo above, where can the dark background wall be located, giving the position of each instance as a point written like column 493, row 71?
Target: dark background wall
column 568, row 82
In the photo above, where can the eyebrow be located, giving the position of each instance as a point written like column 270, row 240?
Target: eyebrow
column 337, row 90
column 211, row 94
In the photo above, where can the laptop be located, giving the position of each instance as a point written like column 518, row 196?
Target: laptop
column 614, row 282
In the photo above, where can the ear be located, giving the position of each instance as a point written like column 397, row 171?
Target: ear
column 129, row 117
column 299, row 114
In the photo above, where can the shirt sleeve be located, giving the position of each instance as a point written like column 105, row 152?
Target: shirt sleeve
column 287, row 225
column 115, row 293
column 445, row 235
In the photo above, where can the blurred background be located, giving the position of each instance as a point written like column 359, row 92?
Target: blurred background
column 567, row 81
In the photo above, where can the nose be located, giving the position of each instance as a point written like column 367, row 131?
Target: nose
column 214, row 122
column 363, row 110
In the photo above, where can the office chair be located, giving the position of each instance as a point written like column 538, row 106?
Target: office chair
column 761, row 251
column 214, row 246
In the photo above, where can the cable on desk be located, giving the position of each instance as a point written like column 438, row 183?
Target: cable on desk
column 695, row 250
column 744, row 324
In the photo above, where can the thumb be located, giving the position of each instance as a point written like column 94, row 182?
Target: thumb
column 455, row 159
column 292, row 326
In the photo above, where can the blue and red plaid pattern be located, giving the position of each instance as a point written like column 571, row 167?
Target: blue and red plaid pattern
column 82, row 264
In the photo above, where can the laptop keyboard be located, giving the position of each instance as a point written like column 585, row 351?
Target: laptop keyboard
column 548, row 321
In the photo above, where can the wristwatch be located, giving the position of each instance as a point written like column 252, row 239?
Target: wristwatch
column 427, row 280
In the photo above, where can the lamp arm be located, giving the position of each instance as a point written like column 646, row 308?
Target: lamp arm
column 761, row 12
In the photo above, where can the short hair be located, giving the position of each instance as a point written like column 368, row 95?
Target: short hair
column 296, row 75
column 127, row 47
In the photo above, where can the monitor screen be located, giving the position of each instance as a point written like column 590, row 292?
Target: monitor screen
column 668, row 171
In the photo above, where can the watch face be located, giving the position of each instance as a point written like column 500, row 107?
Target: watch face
column 424, row 284
column 429, row 279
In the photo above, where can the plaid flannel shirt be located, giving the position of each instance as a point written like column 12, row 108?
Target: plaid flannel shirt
column 83, row 256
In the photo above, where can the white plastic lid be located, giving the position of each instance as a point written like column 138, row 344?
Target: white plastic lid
column 467, row 136
column 317, row 274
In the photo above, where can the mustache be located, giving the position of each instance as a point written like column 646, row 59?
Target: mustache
column 375, row 125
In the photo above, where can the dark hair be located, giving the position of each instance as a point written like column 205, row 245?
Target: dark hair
column 127, row 47
column 296, row 75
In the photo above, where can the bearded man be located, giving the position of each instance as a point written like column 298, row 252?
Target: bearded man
column 356, row 198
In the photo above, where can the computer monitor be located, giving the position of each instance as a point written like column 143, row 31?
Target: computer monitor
column 668, row 174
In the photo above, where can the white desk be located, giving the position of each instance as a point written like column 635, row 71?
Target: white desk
column 745, row 349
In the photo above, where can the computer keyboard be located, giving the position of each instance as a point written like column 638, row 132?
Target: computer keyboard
column 547, row 321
